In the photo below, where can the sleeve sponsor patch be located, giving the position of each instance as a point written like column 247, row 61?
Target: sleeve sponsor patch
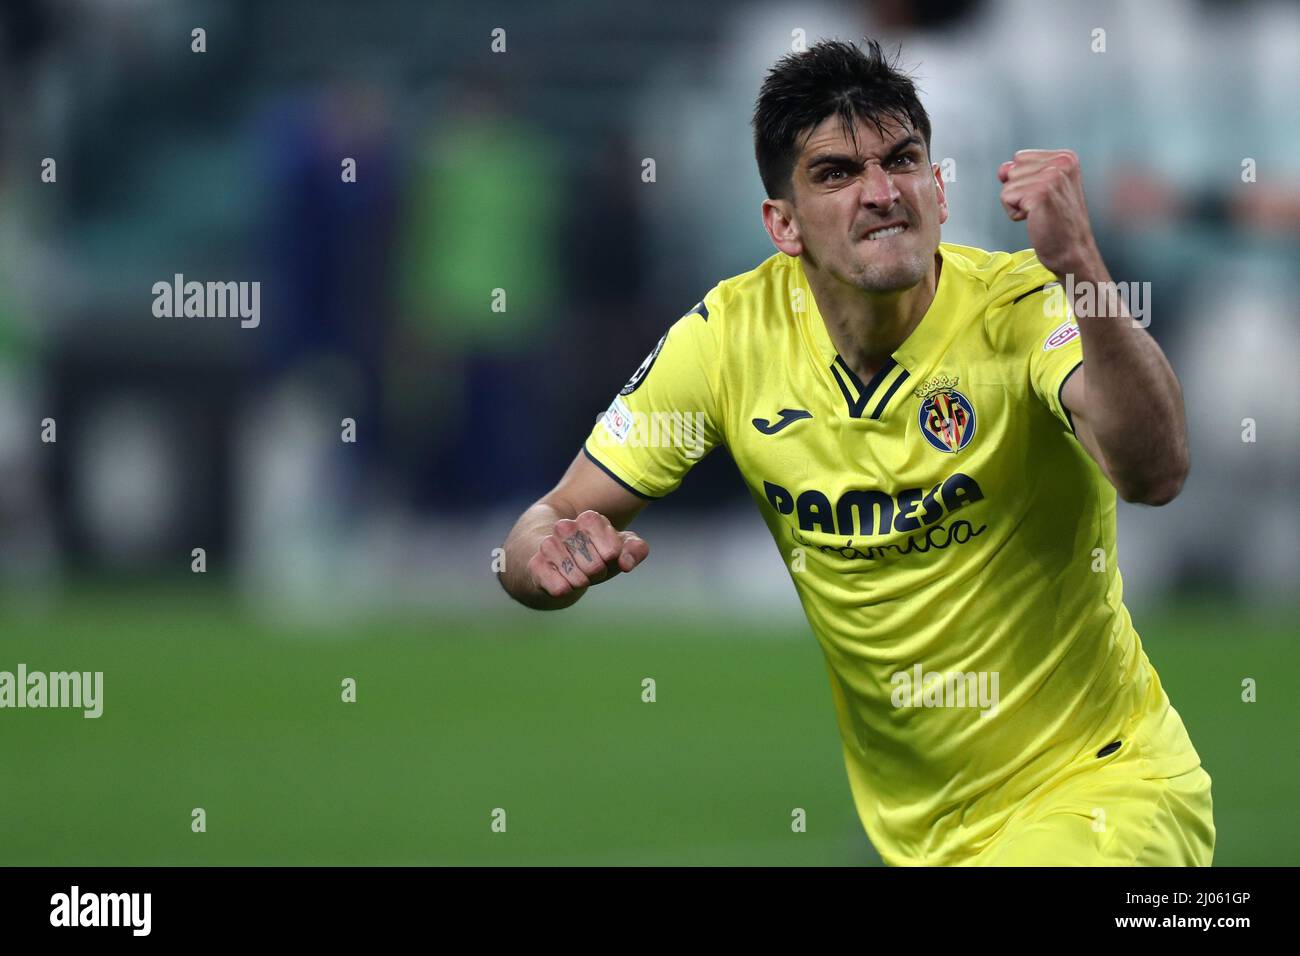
column 1063, row 334
column 617, row 420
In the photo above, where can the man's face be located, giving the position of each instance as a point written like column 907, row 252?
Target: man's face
column 843, row 193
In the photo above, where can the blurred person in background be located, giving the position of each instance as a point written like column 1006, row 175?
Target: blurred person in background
column 28, row 548
column 27, row 545
column 479, row 283
column 328, row 244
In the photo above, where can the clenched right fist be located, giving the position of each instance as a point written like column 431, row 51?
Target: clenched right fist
column 583, row 551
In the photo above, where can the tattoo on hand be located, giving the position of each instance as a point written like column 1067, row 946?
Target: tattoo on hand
column 566, row 566
column 579, row 543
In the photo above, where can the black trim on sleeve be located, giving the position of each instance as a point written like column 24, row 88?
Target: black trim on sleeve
column 1061, row 391
column 598, row 464
column 1032, row 291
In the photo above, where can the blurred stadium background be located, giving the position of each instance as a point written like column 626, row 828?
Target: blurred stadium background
column 522, row 170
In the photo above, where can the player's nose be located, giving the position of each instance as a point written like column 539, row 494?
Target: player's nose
column 878, row 190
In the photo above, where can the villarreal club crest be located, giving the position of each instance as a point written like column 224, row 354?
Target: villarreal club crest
column 946, row 416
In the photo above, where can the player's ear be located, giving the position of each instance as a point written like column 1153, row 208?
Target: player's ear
column 942, row 196
column 782, row 229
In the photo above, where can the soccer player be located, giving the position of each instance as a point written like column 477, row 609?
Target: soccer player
column 935, row 436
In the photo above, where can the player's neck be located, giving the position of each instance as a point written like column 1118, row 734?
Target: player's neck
column 867, row 327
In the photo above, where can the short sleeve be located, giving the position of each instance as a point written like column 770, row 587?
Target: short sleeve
column 667, row 417
column 1049, row 332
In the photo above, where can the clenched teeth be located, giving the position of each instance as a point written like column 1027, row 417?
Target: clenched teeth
column 885, row 233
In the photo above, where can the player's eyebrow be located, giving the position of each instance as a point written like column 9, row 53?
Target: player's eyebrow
column 844, row 159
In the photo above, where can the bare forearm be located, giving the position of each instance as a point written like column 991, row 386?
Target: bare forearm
column 1134, row 407
column 521, row 544
column 1134, row 402
column 574, row 537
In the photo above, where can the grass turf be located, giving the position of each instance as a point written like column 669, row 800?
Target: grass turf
column 540, row 715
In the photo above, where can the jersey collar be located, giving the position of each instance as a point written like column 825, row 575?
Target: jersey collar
column 911, row 360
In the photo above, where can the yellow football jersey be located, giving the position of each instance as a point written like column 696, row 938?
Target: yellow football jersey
column 952, row 543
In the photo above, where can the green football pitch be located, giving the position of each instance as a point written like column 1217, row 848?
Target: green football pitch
column 538, row 715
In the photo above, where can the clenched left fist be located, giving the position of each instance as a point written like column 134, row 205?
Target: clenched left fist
column 1045, row 188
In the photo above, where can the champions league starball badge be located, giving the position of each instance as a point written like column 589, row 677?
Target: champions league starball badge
column 639, row 375
column 946, row 416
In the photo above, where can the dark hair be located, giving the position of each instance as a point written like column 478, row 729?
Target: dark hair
column 804, row 88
